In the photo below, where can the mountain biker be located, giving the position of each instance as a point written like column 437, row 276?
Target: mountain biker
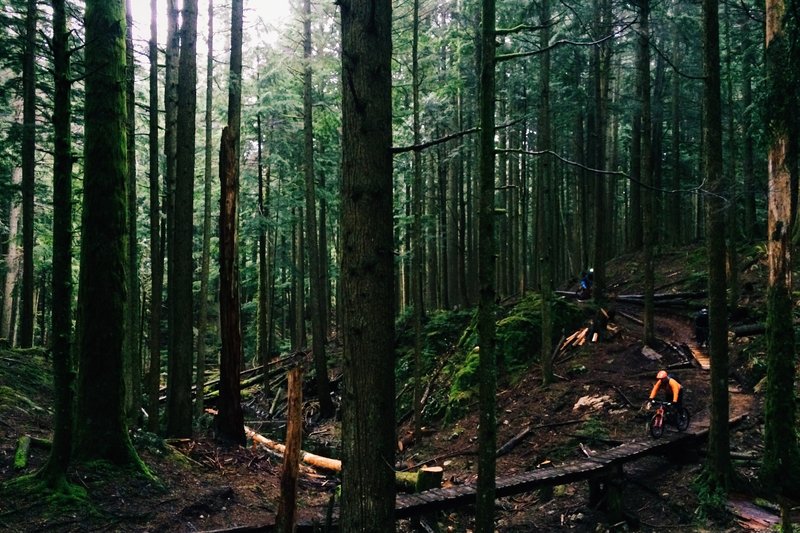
column 585, row 290
column 670, row 384
column 701, row 327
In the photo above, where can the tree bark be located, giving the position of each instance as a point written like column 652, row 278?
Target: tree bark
column 12, row 263
column 287, row 509
column 133, row 361
column 55, row 469
column 171, row 150
column 205, row 259
column 230, row 420
column 156, row 258
column 318, row 318
column 417, row 244
column 718, row 468
column 179, row 395
column 545, row 209
column 780, row 469
column 100, row 431
column 487, row 388
column 25, row 337
column 648, row 209
column 368, row 428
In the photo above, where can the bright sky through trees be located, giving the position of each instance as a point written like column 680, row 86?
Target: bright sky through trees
column 273, row 13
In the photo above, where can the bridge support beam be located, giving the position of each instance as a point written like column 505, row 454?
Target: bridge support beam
column 605, row 492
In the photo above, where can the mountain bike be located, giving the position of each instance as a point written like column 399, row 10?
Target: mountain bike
column 666, row 413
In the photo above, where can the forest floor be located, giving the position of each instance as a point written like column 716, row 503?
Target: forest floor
column 595, row 405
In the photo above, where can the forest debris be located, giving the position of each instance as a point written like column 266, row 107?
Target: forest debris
column 627, row 401
column 752, row 516
column 586, row 451
column 592, row 402
column 651, row 354
column 511, row 444
column 426, row 478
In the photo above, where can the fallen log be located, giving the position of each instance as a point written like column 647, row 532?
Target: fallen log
column 317, row 461
column 427, row 477
column 666, row 296
column 511, row 444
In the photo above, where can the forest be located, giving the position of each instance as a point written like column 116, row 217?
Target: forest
column 411, row 265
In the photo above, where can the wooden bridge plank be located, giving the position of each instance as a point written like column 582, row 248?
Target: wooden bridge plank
column 408, row 505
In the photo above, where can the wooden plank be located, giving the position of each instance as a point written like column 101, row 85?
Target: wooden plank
column 439, row 499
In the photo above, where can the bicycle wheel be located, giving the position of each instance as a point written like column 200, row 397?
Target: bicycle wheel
column 656, row 426
column 682, row 419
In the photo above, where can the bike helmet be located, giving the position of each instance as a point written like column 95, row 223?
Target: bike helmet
column 662, row 374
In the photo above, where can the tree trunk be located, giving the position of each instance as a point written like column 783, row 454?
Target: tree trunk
column 368, row 428
column 674, row 200
column 12, row 262
column 319, row 323
column 287, row 509
column 733, row 228
column 417, row 244
column 780, row 469
column 133, row 362
column 545, row 210
column 171, row 150
column 100, row 431
column 748, row 166
column 63, row 372
column 156, row 258
column 205, row 260
column 648, row 210
column 229, row 422
column 179, row 395
column 25, row 337
column 264, row 300
column 601, row 220
column 487, row 389
column 718, row 468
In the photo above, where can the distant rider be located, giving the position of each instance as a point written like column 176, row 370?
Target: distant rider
column 587, row 278
column 670, row 384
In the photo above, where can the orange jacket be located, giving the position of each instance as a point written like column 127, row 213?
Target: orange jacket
column 673, row 384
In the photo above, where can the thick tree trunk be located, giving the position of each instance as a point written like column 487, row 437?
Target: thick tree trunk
column 25, row 337
column 179, row 395
column 319, row 323
column 170, row 155
column 63, row 372
column 368, row 428
column 487, row 389
column 545, row 209
column 780, row 469
column 230, row 420
column 156, row 257
column 133, row 361
column 718, row 468
column 205, row 259
column 100, row 430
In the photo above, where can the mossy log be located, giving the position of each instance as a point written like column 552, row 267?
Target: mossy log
column 426, row 478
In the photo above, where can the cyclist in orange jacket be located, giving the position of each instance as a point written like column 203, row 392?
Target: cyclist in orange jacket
column 670, row 385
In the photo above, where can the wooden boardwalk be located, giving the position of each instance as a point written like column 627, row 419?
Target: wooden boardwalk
column 595, row 467
column 445, row 498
